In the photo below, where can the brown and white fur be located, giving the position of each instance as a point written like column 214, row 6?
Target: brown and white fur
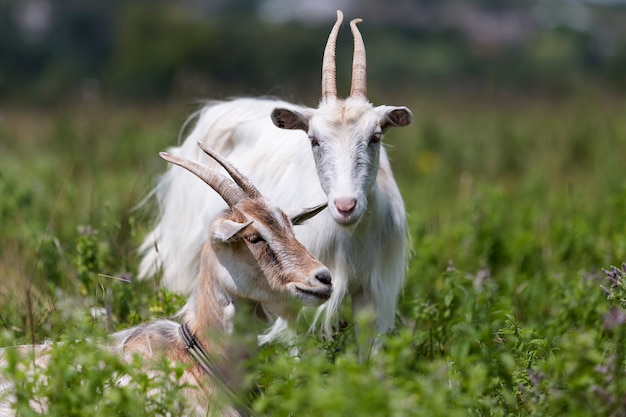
column 251, row 256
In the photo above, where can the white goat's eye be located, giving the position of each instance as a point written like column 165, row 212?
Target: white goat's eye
column 314, row 141
column 254, row 239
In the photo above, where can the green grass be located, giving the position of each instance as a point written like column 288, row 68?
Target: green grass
column 516, row 206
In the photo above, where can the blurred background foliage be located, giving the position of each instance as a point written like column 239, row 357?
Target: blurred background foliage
column 146, row 49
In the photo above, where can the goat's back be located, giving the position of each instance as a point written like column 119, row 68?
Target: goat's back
column 241, row 130
column 40, row 360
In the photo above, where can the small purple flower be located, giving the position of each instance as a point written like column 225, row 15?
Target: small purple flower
column 602, row 393
column 604, row 369
column 535, row 377
column 613, row 275
column 481, row 277
column 614, row 318
column 615, row 292
column 86, row 230
column 126, row 276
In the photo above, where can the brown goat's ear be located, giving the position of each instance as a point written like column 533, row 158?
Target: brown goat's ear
column 291, row 119
column 305, row 214
column 225, row 230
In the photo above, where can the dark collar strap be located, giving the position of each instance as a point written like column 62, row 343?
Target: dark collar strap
column 196, row 351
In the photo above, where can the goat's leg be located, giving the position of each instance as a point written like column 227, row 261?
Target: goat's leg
column 365, row 314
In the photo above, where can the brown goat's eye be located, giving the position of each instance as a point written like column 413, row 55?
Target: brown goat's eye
column 376, row 137
column 254, row 239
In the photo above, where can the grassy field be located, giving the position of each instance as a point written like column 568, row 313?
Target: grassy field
column 517, row 214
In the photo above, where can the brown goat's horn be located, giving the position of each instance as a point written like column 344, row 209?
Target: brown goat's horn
column 329, row 66
column 222, row 185
column 240, row 179
column 359, row 74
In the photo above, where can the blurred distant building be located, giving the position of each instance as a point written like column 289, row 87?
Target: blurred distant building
column 33, row 18
column 490, row 23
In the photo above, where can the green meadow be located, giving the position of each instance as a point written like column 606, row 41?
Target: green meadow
column 514, row 302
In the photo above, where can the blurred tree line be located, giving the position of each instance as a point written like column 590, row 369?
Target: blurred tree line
column 152, row 49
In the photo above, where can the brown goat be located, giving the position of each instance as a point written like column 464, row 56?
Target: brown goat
column 251, row 257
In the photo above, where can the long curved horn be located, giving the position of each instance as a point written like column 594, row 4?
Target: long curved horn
column 222, row 185
column 329, row 66
column 359, row 74
column 240, row 179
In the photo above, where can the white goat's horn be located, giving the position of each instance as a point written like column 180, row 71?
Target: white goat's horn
column 222, row 185
column 359, row 74
column 241, row 180
column 329, row 66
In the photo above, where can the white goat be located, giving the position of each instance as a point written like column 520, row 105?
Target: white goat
column 250, row 255
column 363, row 236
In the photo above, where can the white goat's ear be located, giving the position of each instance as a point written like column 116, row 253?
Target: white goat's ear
column 303, row 215
column 394, row 116
column 291, row 119
column 225, row 230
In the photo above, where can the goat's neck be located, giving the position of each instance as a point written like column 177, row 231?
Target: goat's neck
column 220, row 320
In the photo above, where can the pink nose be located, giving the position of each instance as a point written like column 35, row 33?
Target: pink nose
column 345, row 206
